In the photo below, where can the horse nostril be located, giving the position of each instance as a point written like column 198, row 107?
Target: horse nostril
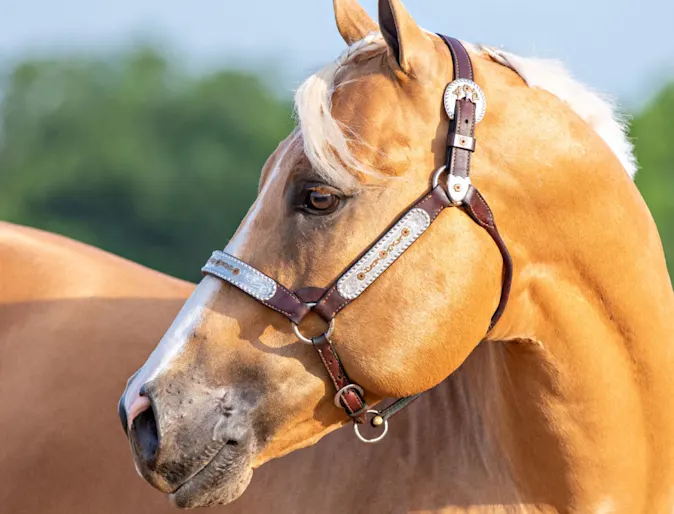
column 146, row 434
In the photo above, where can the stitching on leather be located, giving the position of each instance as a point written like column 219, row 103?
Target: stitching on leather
column 435, row 213
column 331, row 291
column 491, row 214
column 469, row 155
column 383, row 252
column 462, row 49
column 339, row 308
column 442, row 208
column 272, row 307
column 455, row 151
column 455, row 48
column 325, row 363
column 264, row 302
column 360, row 404
column 420, row 205
column 477, row 218
column 290, row 294
column 335, row 382
column 471, row 72
column 455, row 61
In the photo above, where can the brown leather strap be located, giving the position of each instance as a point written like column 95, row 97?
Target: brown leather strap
column 351, row 400
column 476, row 206
column 287, row 304
column 396, row 407
column 255, row 283
column 463, row 67
column 463, row 124
column 458, row 164
column 333, row 302
column 310, row 294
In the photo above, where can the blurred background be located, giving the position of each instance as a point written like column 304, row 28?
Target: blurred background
column 141, row 126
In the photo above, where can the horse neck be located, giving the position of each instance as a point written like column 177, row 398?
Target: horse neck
column 592, row 303
column 458, row 435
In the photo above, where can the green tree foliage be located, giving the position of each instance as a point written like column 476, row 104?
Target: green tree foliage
column 134, row 155
column 653, row 134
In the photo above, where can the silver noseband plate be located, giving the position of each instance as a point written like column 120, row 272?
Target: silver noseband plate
column 240, row 274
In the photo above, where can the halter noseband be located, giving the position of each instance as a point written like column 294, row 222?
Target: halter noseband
column 465, row 105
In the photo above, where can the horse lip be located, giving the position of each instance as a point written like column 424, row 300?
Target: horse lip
column 188, row 502
column 196, row 473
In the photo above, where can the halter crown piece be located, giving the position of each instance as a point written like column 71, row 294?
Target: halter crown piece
column 465, row 105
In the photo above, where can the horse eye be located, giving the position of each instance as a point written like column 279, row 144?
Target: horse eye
column 321, row 202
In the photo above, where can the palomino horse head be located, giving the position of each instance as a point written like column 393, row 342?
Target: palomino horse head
column 229, row 386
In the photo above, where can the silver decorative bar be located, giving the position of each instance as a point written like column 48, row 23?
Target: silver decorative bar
column 238, row 273
column 383, row 254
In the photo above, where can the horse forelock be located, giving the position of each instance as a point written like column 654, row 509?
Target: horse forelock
column 326, row 140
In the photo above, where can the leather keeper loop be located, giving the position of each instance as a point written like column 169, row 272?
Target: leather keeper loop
column 464, row 142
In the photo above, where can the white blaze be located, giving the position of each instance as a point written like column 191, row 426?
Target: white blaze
column 189, row 317
column 172, row 344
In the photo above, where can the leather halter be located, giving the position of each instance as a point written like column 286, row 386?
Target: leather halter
column 465, row 105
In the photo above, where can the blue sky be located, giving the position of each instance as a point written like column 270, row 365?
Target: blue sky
column 624, row 48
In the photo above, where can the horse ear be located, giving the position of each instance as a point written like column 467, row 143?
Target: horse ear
column 353, row 22
column 407, row 42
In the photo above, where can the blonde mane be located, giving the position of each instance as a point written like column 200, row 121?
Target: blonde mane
column 326, row 141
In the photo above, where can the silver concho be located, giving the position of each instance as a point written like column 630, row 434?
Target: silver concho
column 383, row 254
column 464, row 88
column 238, row 273
column 457, row 188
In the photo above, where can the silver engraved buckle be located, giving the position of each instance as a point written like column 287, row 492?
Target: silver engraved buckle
column 465, row 89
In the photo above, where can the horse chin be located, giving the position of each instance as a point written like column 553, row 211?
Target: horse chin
column 220, row 482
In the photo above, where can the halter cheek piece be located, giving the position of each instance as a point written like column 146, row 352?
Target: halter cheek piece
column 465, row 105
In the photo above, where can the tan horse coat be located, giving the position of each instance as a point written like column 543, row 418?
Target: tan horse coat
column 563, row 407
column 76, row 321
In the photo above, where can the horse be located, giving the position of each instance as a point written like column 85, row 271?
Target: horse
column 74, row 321
column 545, row 343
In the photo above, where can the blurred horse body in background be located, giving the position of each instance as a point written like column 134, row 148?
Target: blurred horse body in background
column 73, row 321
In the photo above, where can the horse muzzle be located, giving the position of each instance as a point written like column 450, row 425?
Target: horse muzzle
column 195, row 445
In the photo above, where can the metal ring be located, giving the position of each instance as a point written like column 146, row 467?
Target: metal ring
column 376, row 439
column 436, row 175
column 343, row 390
column 306, row 340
